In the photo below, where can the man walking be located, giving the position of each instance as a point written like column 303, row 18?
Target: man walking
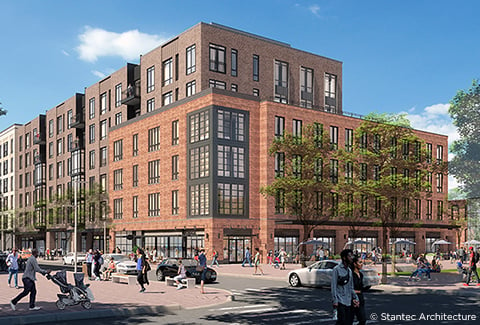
column 343, row 292
column 472, row 267
column 248, row 257
column 89, row 260
column 12, row 263
column 29, row 279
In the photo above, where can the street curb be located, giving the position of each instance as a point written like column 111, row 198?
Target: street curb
column 84, row 315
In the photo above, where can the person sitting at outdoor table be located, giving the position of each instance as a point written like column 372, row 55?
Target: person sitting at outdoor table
column 110, row 269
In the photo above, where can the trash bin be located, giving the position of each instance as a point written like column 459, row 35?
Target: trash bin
column 84, row 269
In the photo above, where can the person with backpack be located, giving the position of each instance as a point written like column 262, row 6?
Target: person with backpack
column 472, row 266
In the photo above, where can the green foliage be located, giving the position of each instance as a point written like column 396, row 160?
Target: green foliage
column 388, row 118
column 456, row 194
column 465, row 112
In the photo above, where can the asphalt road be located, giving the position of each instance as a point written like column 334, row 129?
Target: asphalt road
column 260, row 301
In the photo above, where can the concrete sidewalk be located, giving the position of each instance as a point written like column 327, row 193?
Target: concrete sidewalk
column 111, row 300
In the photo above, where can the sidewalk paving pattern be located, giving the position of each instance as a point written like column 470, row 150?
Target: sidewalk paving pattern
column 116, row 300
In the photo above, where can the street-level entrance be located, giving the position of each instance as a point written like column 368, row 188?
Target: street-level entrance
column 236, row 246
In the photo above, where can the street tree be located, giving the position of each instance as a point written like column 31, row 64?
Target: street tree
column 384, row 172
column 465, row 110
column 301, row 185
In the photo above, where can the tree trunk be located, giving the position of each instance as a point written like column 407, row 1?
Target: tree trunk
column 393, row 260
column 384, row 256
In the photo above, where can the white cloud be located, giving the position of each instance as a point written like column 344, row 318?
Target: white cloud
column 438, row 109
column 65, row 53
column 99, row 74
column 97, row 42
column 314, row 9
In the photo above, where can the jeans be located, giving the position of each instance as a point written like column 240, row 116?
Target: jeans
column 344, row 314
column 473, row 269
column 247, row 260
column 28, row 287
column 214, row 261
column 14, row 273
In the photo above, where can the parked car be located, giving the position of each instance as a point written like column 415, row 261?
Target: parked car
column 320, row 274
column 69, row 258
column 169, row 268
column 122, row 262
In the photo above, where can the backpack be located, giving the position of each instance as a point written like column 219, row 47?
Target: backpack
column 476, row 257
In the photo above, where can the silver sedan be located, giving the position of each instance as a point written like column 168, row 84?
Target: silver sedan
column 320, row 274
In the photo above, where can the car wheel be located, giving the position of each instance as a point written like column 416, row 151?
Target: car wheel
column 60, row 304
column 87, row 304
column 294, row 280
column 160, row 276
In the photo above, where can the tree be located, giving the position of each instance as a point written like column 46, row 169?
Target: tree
column 300, row 182
column 2, row 110
column 465, row 110
column 383, row 174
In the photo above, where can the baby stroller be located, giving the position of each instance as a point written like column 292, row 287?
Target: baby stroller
column 71, row 295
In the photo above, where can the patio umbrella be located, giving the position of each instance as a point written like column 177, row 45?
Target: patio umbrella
column 405, row 241
column 357, row 242
column 472, row 242
column 441, row 242
column 314, row 242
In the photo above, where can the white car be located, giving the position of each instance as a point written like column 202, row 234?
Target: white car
column 69, row 258
column 122, row 262
column 320, row 274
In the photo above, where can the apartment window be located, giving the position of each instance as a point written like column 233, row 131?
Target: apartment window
column 418, row 209
column 175, row 133
column 297, row 166
column 91, row 159
column 135, row 207
column 153, row 204
column 280, row 202
column 330, row 93
column 91, row 133
column 59, row 147
column 429, row 181
column 406, row 178
column 59, row 124
column 103, row 156
column 199, row 127
column 231, row 125
column 91, row 108
column 175, row 202
column 154, row 171
column 118, row 179
column 439, row 178
column 118, row 208
column 70, row 142
column 393, row 147
column 27, row 140
column 297, row 130
column 103, row 129
column 50, row 172
column 429, row 153
column 418, row 180
column 417, row 149
column 118, row 118
column 376, row 173
column 334, row 204
column 150, row 79
column 175, row 168
column 279, row 126
column 405, row 149
column 334, row 137
column 167, row 98
column 59, row 172
column 69, row 119
column 118, row 150
column 231, row 198
column 199, row 162
column 364, row 141
column 281, row 82
column 279, row 164
column 103, row 103
column 217, row 84
column 334, row 171
column 135, row 145
column 377, row 146
column 406, row 209
column 103, row 183
column 440, row 210
column 135, row 176
column 429, row 209
column 306, row 87
column 256, row 92
column 154, row 139
column 348, row 140
column 199, row 200
column 150, row 104
column 234, row 63
column 191, row 59
column 20, row 181
column 50, row 132
column 231, row 161
column 217, row 58
column 167, row 71
column 349, row 172
column 118, row 95
column 256, row 67
column 191, row 88
column 439, row 153
column 234, row 87
column 318, row 134
column 27, row 159
column 318, row 169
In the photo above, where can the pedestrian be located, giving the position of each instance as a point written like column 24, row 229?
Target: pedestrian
column 343, row 292
column 472, row 266
column 181, row 274
column 141, row 268
column 270, row 257
column 214, row 257
column 247, row 258
column 321, row 254
column 256, row 261
column 359, row 312
column 97, row 264
column 12, row 263
column 29, row 279
column 202, row 263
column 283, row 258
column 89, row 261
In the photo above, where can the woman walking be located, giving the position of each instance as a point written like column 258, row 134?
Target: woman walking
column 141, row 268
column 256, row 261
column 359, row 311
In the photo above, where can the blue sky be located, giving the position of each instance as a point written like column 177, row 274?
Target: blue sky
column 398, row 56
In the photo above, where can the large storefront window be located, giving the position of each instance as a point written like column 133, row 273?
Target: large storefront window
column 399, row 248
column 330, row 245
column 428, row 243
column 234, row 248
column 364, row 248
column 289, row 244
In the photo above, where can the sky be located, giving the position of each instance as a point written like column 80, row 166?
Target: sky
column 404, row 56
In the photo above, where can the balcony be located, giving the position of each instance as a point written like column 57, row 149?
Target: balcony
column 78, row 121
column 131, row 96
column 39, row 138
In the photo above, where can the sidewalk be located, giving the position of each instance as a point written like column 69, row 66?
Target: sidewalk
column 111, row 300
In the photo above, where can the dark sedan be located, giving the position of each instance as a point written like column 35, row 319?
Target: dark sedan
column 169, row 268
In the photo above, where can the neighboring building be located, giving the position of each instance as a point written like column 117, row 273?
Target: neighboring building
column 180, row 144
column 8, row 141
